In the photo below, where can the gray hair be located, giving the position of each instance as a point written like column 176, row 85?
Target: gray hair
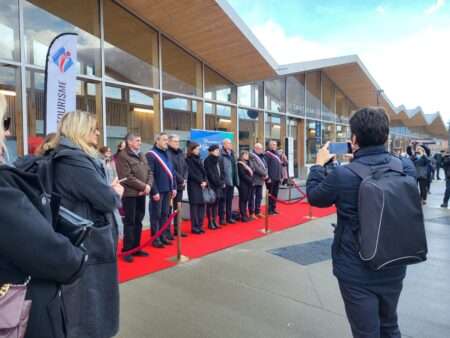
column 130, row 137
column 173, row 137
column 158, row 136
column 226, row 140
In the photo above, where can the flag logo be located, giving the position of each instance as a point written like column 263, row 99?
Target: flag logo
column 62, row 58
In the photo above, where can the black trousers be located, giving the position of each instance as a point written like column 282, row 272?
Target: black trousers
column 226, row 203
column 159, row 213
column 438, row 169
column 212, row 211
column 447, row 191
column 372, row 310
column 423, row 187
column 134, row 208
column 197, row 212
column 273, row 187
column 177, row 199
column 254, row 205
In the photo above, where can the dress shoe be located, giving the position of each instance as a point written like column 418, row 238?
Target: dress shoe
column 165, row 241
column 222, row 222
column 216, row 225
column 259, row 216
column 276, row 212
column 128, row 258
column 202, row 231
column 245, row 219
column 170, row 238
column 183, row 234
column 252, row 218
column 158, row 245
column 140, row 253
column 211, row 226
column 196, row 231
column 444, row 205
column 231, row 221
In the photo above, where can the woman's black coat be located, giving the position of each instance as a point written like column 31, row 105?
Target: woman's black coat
column 29, row 246
column 245, row 182
column 93, row 302
column 196, row 175
column 214, row 173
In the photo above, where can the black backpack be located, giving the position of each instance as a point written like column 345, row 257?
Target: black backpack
column 391, row 224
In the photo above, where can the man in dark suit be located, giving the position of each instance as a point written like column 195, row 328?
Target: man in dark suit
column 275, row 170
column 180, row 169
column 228, row 163
column 163, row 190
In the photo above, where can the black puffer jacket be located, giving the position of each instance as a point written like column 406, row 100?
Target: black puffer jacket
column 30, row 247
column 196, row 176
column 92, row 302
column 214, row 173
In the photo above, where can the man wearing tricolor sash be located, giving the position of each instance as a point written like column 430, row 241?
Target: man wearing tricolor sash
column 163, row 189
column 275, row 170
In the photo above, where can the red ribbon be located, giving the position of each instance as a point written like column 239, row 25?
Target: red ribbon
column 159, row 233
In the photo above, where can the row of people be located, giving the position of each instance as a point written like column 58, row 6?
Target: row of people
column 165, row 172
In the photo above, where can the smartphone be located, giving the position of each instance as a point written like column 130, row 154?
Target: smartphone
column 340, row 148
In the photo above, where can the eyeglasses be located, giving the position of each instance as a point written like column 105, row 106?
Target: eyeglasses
column 6, row 123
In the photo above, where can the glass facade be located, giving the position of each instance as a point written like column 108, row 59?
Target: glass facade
column 138, row 80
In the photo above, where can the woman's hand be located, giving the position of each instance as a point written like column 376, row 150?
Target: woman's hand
column 117, row 187
column 323, row 156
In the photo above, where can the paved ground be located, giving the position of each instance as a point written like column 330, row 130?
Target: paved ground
column 246, row 291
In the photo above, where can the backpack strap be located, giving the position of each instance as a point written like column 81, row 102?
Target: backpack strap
column 360, row 169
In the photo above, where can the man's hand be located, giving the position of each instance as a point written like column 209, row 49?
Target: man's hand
column 323, row 156
column 147, row 189
column 174, row 193
column 156, row 197
column 203, row 184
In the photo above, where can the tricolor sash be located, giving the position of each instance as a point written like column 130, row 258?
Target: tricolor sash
column 255, row 155
column 246, row 167
column 163, row 165
column 274, row 156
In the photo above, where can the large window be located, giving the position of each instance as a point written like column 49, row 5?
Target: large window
column 296, row 94
column 251, row 95
column 9, row 30
column 328, row 99
column 313, row 140
column 44, row 20
column 313, row 95
column 249, row 130
column 218, row 88
column 218, row 117
column 88, row 99
column 131, row 110
column 131, row 48
column 274, row 126
column 344, row 107
column 292, row 131
column 182, row 73
column 180, row 115
column 274, row 95
column 328, row 132
column 10, row 88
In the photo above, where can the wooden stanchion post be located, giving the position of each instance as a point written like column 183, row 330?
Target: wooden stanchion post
column 310, row 213
column 180, row 258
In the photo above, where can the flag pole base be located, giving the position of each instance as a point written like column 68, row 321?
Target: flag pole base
column 264, row 231
column 182, row 259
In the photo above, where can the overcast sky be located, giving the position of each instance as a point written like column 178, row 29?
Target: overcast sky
column 405, row 44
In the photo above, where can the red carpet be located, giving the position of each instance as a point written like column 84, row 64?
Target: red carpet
column 195, row 246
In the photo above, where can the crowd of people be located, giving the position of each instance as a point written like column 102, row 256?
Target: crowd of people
column 165, row 172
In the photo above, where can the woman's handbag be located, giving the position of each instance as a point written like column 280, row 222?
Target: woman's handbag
column 209, row 196
column 14, row 310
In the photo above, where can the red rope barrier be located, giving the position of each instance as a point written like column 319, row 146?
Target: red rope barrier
column 297, row 187
column 159, row 233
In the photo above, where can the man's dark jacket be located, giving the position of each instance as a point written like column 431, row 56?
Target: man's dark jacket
column 229, row 156
column 162, row 182
column 135, row 169
column 274, row 167
column 29, row 246
column 341, row 187
column 180, row 169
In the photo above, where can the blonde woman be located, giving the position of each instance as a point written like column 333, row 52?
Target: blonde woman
column 93, row 302
column 30, row 248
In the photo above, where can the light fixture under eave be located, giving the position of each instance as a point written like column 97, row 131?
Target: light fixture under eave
column 7, row 92
column 224, row 120
column 277, row 126
column 143, row 110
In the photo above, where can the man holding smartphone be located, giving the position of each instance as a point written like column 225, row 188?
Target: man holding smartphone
column 137, row 179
